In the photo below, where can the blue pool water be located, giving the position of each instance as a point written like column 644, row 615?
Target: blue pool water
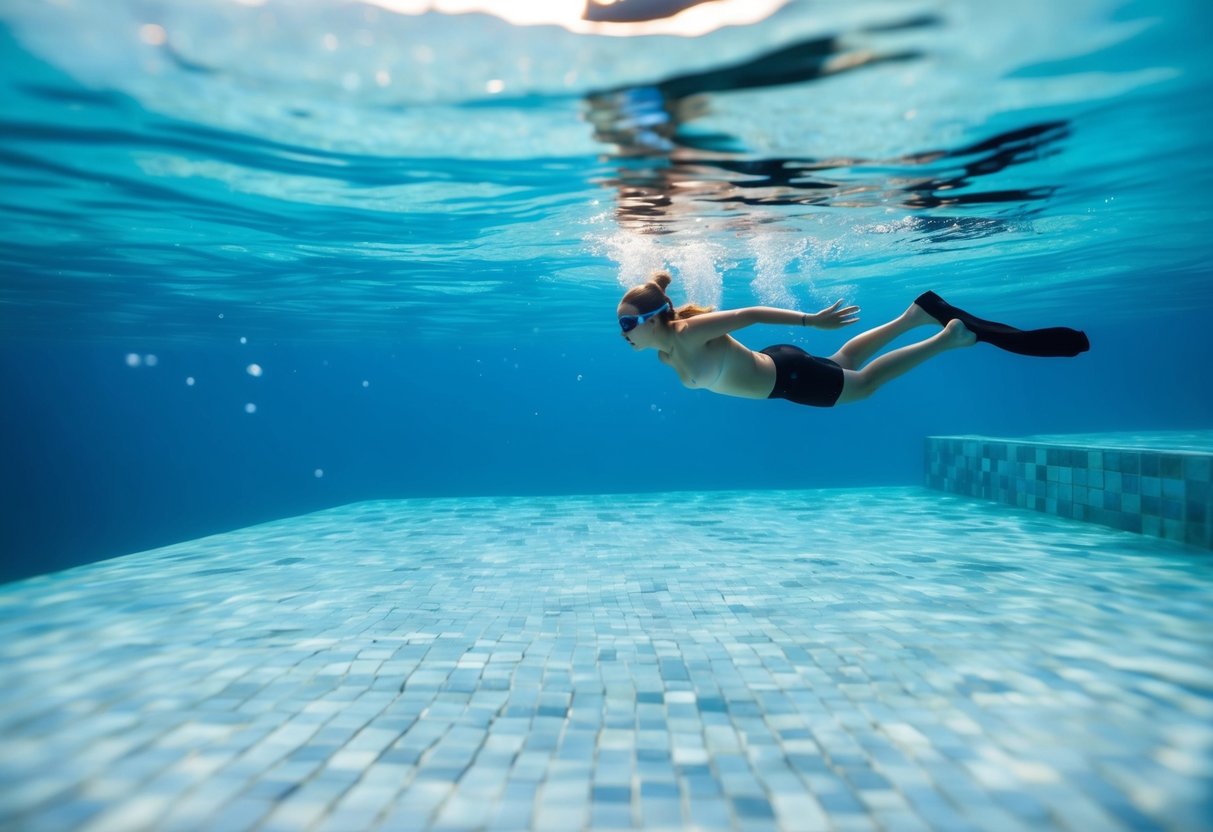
column 419, row 226
column 311, row 305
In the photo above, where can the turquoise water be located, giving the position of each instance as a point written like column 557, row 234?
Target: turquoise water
column 311, row 307
column 300, row 171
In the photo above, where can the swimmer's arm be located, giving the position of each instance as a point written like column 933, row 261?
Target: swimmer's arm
column 714, row 324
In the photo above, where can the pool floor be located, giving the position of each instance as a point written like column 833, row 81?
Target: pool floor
column 877, row 659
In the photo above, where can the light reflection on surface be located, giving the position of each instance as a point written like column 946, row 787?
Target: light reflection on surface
column 651, row 17
column 283, row 149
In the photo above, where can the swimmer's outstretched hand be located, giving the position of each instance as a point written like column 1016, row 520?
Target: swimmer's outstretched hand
column 835, row 318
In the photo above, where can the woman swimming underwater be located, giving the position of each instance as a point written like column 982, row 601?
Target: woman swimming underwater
column 695, row 341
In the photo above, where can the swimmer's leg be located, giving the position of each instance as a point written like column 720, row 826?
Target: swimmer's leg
column 859, row 349
column 859, row 384
column 1057, row 341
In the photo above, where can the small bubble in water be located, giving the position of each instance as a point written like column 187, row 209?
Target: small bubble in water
column 494, row 86
column 254, row 370
column 151, row 360
column 152, row 34
column 366, row 383
column 318, row 473
column 250, row 408
column 133, row 360
column 189, row 381
column 243, row 340
column 579, row 376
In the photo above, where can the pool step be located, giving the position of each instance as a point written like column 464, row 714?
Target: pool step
column 1154, row 483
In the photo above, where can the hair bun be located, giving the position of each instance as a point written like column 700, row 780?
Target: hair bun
column 662, row 279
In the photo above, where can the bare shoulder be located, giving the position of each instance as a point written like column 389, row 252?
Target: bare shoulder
column 711, row 326
column 704, row 331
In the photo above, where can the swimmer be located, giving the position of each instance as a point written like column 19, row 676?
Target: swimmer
column 695, row 341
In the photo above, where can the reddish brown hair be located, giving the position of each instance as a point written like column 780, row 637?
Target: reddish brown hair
column 651, row 295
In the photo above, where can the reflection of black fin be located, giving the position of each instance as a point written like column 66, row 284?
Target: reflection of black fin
column 807, row 60
column 920, row 22
column 635, row 11
column 1058, row 341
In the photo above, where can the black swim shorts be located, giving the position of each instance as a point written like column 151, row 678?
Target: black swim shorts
column 804, row 378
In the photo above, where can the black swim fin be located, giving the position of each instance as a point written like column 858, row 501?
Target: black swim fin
column 1057, row 341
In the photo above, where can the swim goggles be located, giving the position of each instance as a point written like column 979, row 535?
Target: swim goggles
column 629, row 322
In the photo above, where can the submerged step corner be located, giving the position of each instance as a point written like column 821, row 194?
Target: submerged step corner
column 1156, row 483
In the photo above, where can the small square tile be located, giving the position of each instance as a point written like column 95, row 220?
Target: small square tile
column 1198, row 467
column 1171, row 466
column 1150, row 464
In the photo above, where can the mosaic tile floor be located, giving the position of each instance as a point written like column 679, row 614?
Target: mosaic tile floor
column 889, row 659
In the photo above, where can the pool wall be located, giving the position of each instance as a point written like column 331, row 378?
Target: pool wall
column 1158, row 492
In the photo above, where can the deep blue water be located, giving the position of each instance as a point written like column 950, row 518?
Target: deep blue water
column 426, row 269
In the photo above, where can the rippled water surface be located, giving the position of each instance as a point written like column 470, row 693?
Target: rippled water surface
column 340, row 170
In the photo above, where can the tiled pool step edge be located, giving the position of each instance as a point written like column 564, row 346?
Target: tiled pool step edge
column 1151, row 491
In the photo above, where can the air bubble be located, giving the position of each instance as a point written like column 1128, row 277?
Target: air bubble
column 152, row 34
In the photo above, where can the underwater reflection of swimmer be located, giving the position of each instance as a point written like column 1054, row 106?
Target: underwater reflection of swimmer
column 667, row 168
column 635, row 11
column 696, row 342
